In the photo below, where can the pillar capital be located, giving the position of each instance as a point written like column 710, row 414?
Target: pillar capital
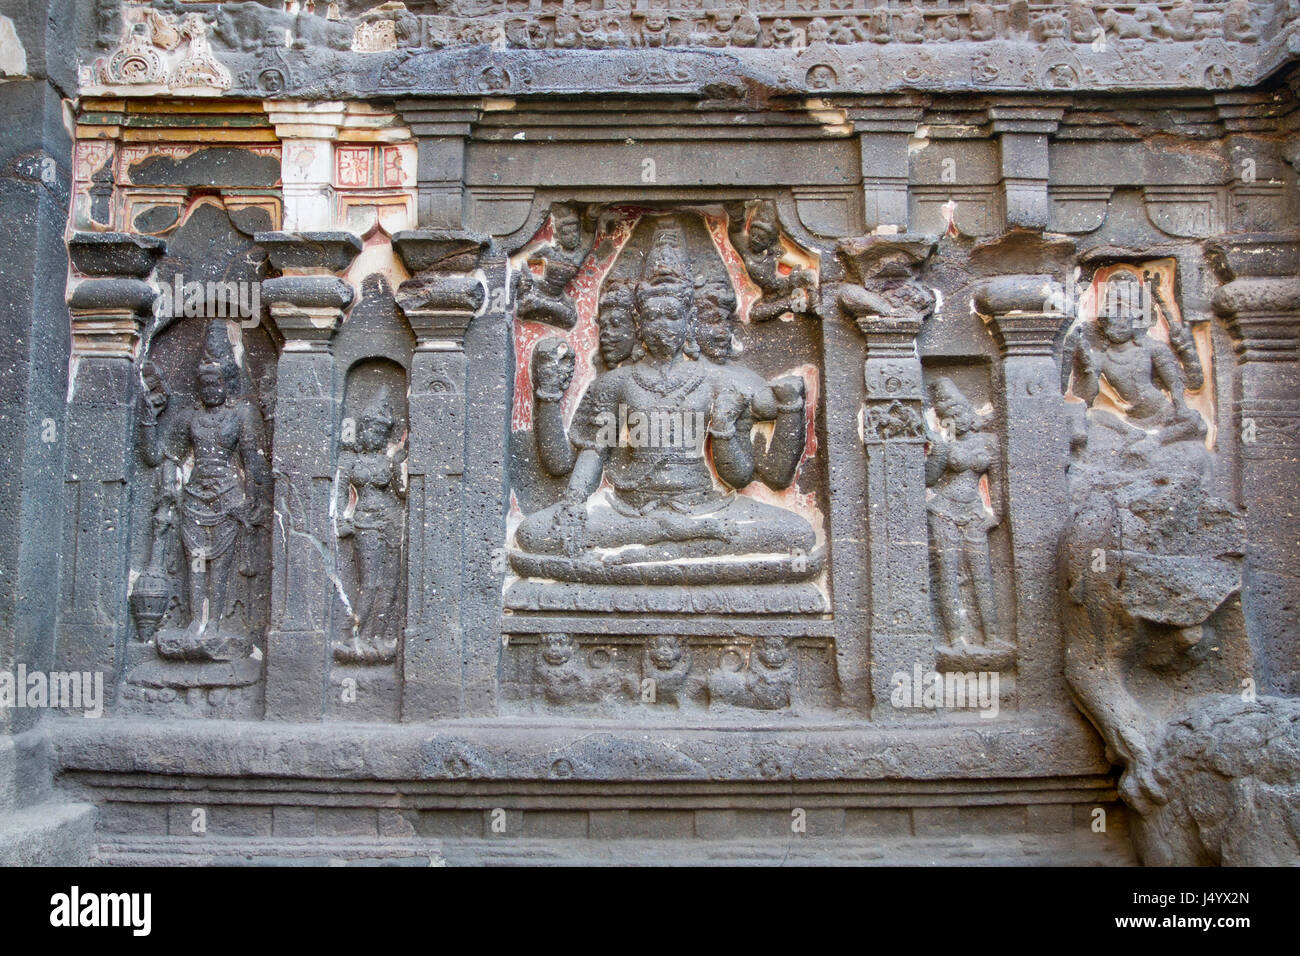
column 446, row 290
column 1021, row 314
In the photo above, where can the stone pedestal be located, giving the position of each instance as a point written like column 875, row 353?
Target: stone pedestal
column 307, row 302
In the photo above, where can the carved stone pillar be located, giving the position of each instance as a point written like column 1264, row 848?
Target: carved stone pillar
column 439, row 303
column 1023, row 133
column 307, row 132
column 110, row 308
column 442, row 127
column 1037, row 451
column 889, row 308
column 1261, row 304
column 307, row 302
column 883, row 134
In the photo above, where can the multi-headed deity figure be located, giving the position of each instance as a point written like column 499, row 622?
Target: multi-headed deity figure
column 374, row 475
column 960, row 458
column 644, row 427
column 616, row 318
column 221, row 504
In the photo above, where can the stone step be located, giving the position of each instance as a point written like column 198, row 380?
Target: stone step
column 47, row 834
column 1062, row 850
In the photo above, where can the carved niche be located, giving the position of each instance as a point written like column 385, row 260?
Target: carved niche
column 369, row 506
column 200, row 587
column 664, row 460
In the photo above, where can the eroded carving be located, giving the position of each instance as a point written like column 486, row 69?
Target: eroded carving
column 1151, row 565
column 216, row 479
column 371, row 508
column 542, row 297
column 961, row 472
column 785, row 289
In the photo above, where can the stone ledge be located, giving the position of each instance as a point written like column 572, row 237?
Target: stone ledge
column 1039, row 850
column 500, row 750
column 47, row 834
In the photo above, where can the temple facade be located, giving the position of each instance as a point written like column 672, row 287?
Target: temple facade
column 867, row 432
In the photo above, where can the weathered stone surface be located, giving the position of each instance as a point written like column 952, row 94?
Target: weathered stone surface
column 646, row 422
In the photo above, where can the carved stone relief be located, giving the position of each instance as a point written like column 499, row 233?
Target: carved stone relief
column 1151, row 563
column 642, row 394
column 370, row 511
column 165, row 45
column 675, row 460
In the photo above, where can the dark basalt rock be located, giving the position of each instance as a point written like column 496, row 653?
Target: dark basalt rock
column 114, row 253
column 648, row 422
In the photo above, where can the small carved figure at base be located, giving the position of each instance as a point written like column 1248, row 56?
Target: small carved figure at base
column 767, row 684
column 566, row 679
column 666, row 676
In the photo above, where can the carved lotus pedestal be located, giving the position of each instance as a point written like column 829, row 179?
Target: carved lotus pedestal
column 159, row 686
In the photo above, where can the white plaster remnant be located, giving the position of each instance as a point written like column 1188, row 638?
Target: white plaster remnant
column 13, row 57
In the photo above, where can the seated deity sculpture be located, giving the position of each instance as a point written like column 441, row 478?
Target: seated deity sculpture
column 767, row 684
column 1157, row 428
column 642, row 504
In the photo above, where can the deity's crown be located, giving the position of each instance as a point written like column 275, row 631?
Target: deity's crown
column 618, row 292
column 666, row 270
column 218, row 357
column 718, row 290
